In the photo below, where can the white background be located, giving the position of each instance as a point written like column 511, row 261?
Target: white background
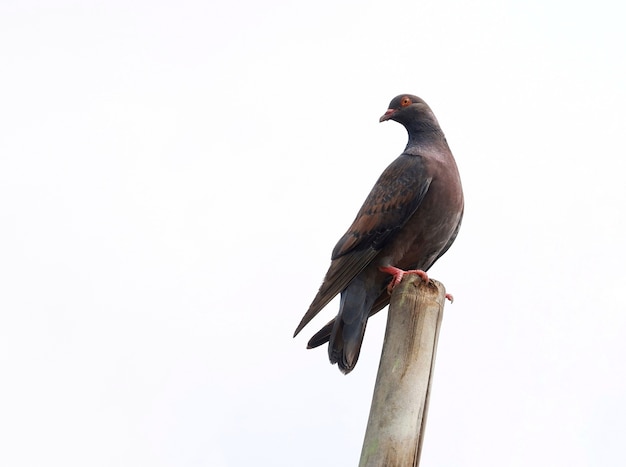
column 174, row 176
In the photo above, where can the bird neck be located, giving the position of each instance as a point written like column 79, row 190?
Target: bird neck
column 423, row 131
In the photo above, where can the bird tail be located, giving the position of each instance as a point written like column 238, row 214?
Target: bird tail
column 323, row 335
column 347, row 333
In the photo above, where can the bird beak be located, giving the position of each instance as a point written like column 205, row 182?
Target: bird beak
column 387, row 115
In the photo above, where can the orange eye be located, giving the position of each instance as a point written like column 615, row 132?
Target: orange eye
column 405, row 101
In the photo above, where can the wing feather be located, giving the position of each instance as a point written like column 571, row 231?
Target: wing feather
column 394, row 198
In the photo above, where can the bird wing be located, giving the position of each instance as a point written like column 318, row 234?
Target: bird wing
column 322, row 336
column 394, row 198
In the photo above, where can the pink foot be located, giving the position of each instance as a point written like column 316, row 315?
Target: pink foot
column 398, row 274
column 450, row 297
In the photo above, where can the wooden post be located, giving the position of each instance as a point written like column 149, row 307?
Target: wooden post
column 397, row 421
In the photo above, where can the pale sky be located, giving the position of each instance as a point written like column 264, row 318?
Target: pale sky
column 174, row 176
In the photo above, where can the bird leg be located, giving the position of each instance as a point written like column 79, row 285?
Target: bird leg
column 398, row 274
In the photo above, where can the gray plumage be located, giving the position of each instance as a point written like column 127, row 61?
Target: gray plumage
column 410, row 218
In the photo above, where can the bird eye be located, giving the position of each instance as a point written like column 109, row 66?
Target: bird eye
column 405, row 101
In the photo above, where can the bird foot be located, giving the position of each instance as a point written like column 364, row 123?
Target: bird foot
column 398, row 274
column 450, row 297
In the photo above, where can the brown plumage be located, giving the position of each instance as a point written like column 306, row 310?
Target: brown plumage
column 409, row 219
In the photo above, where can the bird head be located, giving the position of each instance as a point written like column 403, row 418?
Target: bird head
column 415, row 115
column 404, row 107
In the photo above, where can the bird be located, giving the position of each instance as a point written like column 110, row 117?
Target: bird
column 408, row 221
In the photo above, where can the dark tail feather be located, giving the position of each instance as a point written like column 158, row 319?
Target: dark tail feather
column 323, row 335
column 345, row 343
column 346, row 335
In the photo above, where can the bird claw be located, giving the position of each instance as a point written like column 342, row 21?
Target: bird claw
column 398, row 274
column 450, row 297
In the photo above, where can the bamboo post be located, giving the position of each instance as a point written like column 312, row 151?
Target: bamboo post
column 397, row 421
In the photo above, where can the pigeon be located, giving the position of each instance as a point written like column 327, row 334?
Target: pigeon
column 407, row 222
